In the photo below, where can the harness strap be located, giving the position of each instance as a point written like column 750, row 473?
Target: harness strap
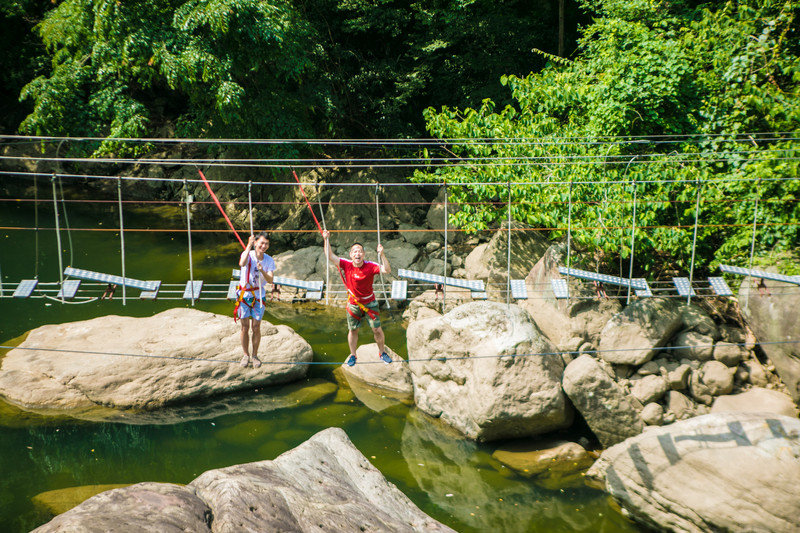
column 354, row 299
column 242, row 290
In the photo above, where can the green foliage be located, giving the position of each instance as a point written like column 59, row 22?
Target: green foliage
column 702, row 74
column 212, row 67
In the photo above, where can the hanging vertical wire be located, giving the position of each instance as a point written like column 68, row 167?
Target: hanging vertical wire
column 633, row 230
column 444, row 285
column 752, row 247
column 694, row 240
column 569, row 235
column 58, row 238
column 327, row 259
column 121, row 237
column 189, row 238
column 250, row 205
column 36, row 226
column 378, row 226
column 66, row 221
column 508, row 246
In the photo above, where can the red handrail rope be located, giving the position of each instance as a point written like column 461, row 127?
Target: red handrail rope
column 216, row 201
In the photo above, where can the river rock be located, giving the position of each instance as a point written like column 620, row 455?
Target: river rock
column 693, row 346
column 680, row 405
column 527, row 246
column 729, row 354
column 553, row 464
column 756, row 373
column 649, row 388
column 678, row 379
column 55, row 502
column 604, row 405
column 305, row 263
column 718, row 472
column 774, row 317
column 76, row 381
column 415, row 235
column 633, row 336
column 400, row 254
column 653, row 414
column 323, row 483
column 756, row 400
column 717, row 377
column 697, row 320
column 474, row 264
column 369, row 369
column 483, row 396
column 436, row 218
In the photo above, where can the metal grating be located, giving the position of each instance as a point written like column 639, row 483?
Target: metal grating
column 720, row 287
column 313, row 295
column 560, row 288
column 399, row 290
column 475, row 285
column 643, row 293
column 151, row 295
column 636, row 283
column 236, row 273
column 298, row 283
column 479, row 295
column 519, row 291
column 110, row 278
column 69, row 289
column 192, row 290
column 420, row 276
column 759, row 274
column 232, row 286
column 683, row 286
column 25, row 288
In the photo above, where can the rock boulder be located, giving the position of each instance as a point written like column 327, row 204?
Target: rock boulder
column 756, row 400
column 774, row 317
column 486, row 397
column 633, row 336
column 718, row 472
column 194, row 355
column 603, row 404
column 323, row 484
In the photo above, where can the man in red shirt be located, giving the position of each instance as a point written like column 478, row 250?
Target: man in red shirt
column 358, row 276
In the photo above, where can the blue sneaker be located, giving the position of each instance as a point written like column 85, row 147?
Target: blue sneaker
column 351, row 360
column 385, row 358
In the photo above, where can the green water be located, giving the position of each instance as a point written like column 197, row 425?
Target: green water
column 452, row 479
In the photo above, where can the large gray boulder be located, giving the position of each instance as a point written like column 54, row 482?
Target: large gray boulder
column 756, row 400
column 469, row 375
column 774, row 317
column 717, row 472
column 194, row 355
column 633, row 336
column 325, row 484
column 582, row 317
column 490, row 262
column 606, row 408
column 370, row 370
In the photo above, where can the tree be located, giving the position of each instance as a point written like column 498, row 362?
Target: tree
column 208, row 68
column 660, row 102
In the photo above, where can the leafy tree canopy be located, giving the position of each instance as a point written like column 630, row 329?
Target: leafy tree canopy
column 701, row 76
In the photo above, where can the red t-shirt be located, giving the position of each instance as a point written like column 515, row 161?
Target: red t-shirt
column 359, row 279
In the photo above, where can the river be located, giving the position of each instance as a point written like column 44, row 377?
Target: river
column 452, row 479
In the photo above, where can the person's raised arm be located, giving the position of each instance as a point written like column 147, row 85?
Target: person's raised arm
column 266, row 274
column 386, row 268
column 326, row 239
column 246, row 254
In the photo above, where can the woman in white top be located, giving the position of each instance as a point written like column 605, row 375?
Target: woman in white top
column 256, row 271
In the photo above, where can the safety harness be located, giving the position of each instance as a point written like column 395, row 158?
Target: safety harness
column 352, row 298
column 243, row 290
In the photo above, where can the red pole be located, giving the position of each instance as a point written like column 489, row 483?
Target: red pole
column 216, row 201
column 307, row 202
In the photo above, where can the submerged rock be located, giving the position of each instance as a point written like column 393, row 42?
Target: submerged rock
column 323, row 484
column 553, row 464
column 189, row 354
column 718, row 472
column 370, row 370
column 484, row 396
column 606, row 408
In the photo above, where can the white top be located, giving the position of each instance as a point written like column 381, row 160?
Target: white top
column 249, row 273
